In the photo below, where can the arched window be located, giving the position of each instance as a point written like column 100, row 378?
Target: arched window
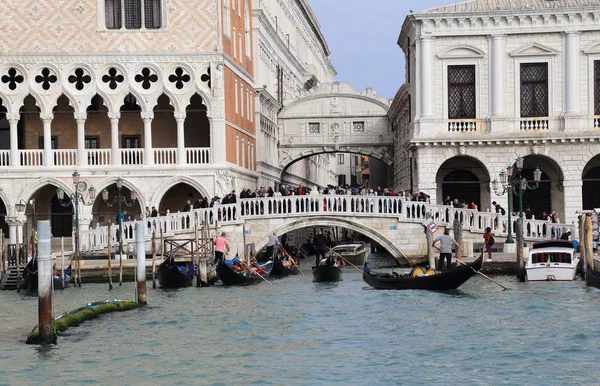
column 133, row 14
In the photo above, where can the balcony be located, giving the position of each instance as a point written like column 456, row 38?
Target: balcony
column 464, row 126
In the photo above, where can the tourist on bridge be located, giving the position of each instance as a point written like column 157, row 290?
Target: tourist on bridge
column 221, row 244
column 271, row 244
column 446, row 242
column 320, row 246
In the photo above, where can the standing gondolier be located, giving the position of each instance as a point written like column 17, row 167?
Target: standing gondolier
column 446, row 243
column 221, row 244
column 273, row 241
column 320, row 246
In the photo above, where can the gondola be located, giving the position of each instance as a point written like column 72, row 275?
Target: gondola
column 229, row 276
column 30, row 275
column 443, row 281
column 58, row 279
column 592, row 277
column 281, row 270
column 327, row 272
column 172, row 274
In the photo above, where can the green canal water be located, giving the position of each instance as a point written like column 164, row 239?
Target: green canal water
column 296, row 332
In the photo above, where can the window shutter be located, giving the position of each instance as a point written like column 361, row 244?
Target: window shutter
column 112, row 14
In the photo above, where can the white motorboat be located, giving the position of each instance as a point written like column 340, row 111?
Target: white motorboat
column 353, row 252
column 553, row 260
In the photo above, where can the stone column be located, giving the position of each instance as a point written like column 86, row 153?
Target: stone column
column 147, row 117
column 573, row 200
column 21, row 220
column 572, row 105
column 497, row 66
column 115, row 156
column 426, row 77
column 13, row 120
column 12, row 230
column 417, row 87
column 181, row 155
column 47, row 120
column 81, row 152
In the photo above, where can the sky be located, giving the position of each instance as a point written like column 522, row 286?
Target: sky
column 362, row 36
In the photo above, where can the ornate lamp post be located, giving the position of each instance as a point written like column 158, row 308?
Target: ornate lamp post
column 21, row 207
column 119, row 200
column 81, row 189
column 516, row 185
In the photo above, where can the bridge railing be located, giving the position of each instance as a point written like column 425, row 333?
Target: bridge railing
column 96, row 239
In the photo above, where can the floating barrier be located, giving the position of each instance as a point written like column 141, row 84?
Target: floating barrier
column 88, row 312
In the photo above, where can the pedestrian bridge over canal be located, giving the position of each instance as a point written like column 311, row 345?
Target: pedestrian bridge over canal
column 396, row 224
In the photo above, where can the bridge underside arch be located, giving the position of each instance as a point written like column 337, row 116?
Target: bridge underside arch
column 323, row 221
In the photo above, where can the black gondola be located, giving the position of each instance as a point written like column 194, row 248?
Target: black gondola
column 172, row 274
column 30, row 275
column 592, row 277
column 281, row 270
column 443, row 281
column 327, row 272
column 229, row 276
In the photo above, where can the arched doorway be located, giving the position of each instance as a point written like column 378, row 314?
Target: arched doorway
column 549, row 194
column 591, row 184
column 103, row 213
column 49, row 207
column 174, row 200
column 466, row 179
column 197, row 126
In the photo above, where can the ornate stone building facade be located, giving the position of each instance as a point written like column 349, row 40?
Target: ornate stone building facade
column 487, row 82
column 293, row 58
column 157, row 92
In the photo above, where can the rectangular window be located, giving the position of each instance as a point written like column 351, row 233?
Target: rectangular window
column 237, row 107
column 251, row 103
column 226, row 18
column 597, row 87
column 112, row 14
column 242, row 99
column 314, row 128
column 131, row 141
column 152, row 14
column 461, row 92
column 340, row 159
column 241, row 46
column 237, row 150
column 234, row 44
column 534, row 90
column 243, row 154
column 92, row 142
column 248, row 102
column 133, row 14
column 358, row 127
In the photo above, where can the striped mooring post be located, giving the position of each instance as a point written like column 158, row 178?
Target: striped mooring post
column 45, row 300
column 140, row 251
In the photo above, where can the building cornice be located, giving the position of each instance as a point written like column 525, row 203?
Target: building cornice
column 418, row 142
column 111, row 57
column 238, row 70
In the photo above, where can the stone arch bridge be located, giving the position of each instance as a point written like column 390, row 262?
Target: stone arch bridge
column 395, row 224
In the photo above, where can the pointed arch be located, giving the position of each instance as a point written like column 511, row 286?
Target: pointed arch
column 165, row 186
column 32, row 188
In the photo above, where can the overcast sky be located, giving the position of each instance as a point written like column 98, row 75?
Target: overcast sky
column 362, row 36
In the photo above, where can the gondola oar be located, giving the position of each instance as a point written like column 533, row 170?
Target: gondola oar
column 482, row 274
column 250, row 271
column 293, row 261
column 355, row 267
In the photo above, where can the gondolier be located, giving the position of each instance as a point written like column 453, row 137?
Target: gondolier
column 273, row 241
column 221, row 244
column 320, row 246
column 446, row 243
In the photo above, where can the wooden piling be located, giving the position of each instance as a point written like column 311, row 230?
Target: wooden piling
column 18, row 261
column 109, row 256
column 140, row 251
column 2, row 266
column 153, row 259
column 197, row 255
column 582, row 254
column 62, row 262
column 457, row 229
column 520, row 257
column 44, row 260
column 121, row 255
column 430, row 254
column 589, row 242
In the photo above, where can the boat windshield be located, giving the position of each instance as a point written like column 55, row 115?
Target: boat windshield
column 553, row 257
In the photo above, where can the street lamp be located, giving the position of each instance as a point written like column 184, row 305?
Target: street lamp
column 21, row 207
column 119, row 200
column 81, row 188
column 517, row 185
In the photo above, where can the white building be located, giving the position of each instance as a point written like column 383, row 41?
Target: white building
column 293, row 57
column 489, row 81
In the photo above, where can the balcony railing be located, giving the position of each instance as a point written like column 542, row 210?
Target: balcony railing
column 166, row 156
column 98, row 157
column 132, row 156
column 528, row 124
column 198, row 155
column 4, row 157
column 463, row 126
column 32, row 157
column 65, row 157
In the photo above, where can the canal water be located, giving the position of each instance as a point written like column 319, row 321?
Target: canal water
column 296, row 332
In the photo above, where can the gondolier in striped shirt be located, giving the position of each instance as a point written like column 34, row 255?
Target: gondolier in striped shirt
column 446, row 243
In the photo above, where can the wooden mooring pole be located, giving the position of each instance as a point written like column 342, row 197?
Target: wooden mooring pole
column 582, row 244
column 140, row 251
column 589, row 243
column 2, row 266
column 153, row 259
column 62, row 262
column 520, row 252
column 197, row 255
column 17, row 252
column 120, row 255
column 44, row 260
column 457, row 228
column 109, row 256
